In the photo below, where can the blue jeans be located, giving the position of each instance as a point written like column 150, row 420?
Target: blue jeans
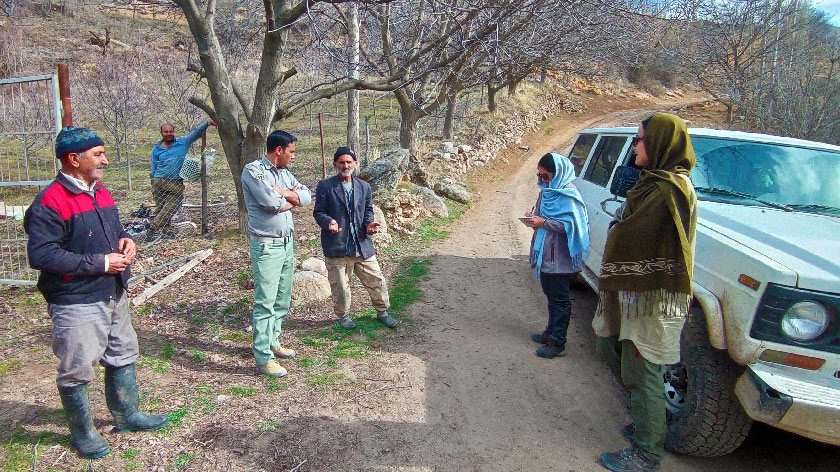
column 556, row 289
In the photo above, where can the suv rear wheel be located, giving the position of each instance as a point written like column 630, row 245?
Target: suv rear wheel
column 705, row 417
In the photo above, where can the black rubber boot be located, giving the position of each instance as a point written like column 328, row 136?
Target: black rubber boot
column 123, row 399
column 84, row 436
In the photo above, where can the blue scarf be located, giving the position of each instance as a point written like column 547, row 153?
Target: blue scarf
column 563, row 204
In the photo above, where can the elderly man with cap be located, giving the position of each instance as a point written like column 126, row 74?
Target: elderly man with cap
column 84, row 255
column 344, row 211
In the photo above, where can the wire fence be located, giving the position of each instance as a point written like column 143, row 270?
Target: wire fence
column 28, row 124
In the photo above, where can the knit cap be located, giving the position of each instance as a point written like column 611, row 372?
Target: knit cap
column 75, row 140
column 344, row 150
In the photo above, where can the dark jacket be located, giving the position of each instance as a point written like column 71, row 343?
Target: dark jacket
column 70, row 234
column 331, row 204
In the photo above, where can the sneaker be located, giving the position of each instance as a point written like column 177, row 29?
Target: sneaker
column 540, row 338
column 283, row 352
column 386, row 319
column 346, row 322
column 628, row 431
column 628, row 460
column 551, row 350
column 272, row 369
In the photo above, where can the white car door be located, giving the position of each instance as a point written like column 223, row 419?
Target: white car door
column 593, row 182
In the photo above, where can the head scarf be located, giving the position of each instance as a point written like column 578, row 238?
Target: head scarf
column 562, row 202
column 652, row 247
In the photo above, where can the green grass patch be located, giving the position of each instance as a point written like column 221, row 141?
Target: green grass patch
column 244, row 278
column 9, row 365
column 405, row 290
column 350, row 348
column 314, row 342
column 177, row 416
column 270, row 425
column 197, row 355
column 325, row 379
column 135, row 465
column 308, row 362
column 273, row 385
column 129, row 454
column 168, row 352
column 158, row 366
column 182, row 460
column 237, row 306
column 18, row 449
column 237, row 336
column 242, row 391
column 198, row 320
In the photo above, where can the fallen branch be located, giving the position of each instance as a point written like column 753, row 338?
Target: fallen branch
column 384, row 387
column 298, row 466
column 169, row 279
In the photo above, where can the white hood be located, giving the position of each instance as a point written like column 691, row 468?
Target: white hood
column 807, row 243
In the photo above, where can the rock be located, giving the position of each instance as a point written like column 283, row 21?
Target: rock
column 387, row 171
column 465, row 148
column 382, row 237
column 453, row 192
column 433, row 204
column 448, row 147
column 315, row 265
column 308, row 287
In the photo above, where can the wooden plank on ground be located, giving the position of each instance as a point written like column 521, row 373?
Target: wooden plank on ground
column 154, row 289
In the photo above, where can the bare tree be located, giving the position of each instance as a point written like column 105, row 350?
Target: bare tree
column 734, row 44
column 116, row 100
column 246, row 111
column 353, row 95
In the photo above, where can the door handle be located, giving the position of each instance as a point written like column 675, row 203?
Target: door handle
column 604, row 205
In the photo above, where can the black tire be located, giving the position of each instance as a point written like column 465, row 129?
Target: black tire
column 712, row 421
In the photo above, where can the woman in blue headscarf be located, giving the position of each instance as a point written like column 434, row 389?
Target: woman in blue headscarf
column 559, row 246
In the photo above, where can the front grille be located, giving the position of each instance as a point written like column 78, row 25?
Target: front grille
column 767, row 325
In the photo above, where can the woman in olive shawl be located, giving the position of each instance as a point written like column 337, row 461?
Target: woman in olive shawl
column 645, row 284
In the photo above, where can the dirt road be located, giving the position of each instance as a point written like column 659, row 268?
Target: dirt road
column 479, row 398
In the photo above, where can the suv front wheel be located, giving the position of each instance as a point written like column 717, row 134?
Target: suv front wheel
column 705, row 417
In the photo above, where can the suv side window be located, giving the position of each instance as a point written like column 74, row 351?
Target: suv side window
column 580, row 151
column 604, row 159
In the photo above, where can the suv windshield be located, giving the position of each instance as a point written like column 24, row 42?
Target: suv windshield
column 752, row 173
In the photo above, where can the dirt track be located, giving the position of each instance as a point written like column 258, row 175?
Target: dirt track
column 481, row 400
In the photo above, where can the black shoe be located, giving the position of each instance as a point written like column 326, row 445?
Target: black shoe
column 628, row 431
column 84, row 436
column 551, row 350
column 540, row 338
column 628, row 460
column 386, row 319
column 123, row 400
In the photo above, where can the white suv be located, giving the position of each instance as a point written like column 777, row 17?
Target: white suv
column 763, row 338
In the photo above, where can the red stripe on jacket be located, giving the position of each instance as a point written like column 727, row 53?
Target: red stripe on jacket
column 67, row 204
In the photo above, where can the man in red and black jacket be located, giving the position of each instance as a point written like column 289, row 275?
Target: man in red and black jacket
column 77, row 242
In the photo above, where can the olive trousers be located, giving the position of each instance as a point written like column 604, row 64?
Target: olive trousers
column 644, row 381
column 273, row 265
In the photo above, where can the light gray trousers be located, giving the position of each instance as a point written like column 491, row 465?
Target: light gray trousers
column 85, row 333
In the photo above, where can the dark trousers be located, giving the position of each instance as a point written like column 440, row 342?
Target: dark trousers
column 556, row 289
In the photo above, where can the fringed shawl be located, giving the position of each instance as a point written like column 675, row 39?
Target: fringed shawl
column 652, row 247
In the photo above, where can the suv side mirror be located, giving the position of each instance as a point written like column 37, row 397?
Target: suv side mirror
column 624, row 179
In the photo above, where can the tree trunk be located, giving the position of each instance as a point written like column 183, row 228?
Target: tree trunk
column 449, row 122
column 543, row 75
column 408, row 131
column 353, row 95
column 491, row 98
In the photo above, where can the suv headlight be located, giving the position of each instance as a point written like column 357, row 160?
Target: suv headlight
column 805, row 321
